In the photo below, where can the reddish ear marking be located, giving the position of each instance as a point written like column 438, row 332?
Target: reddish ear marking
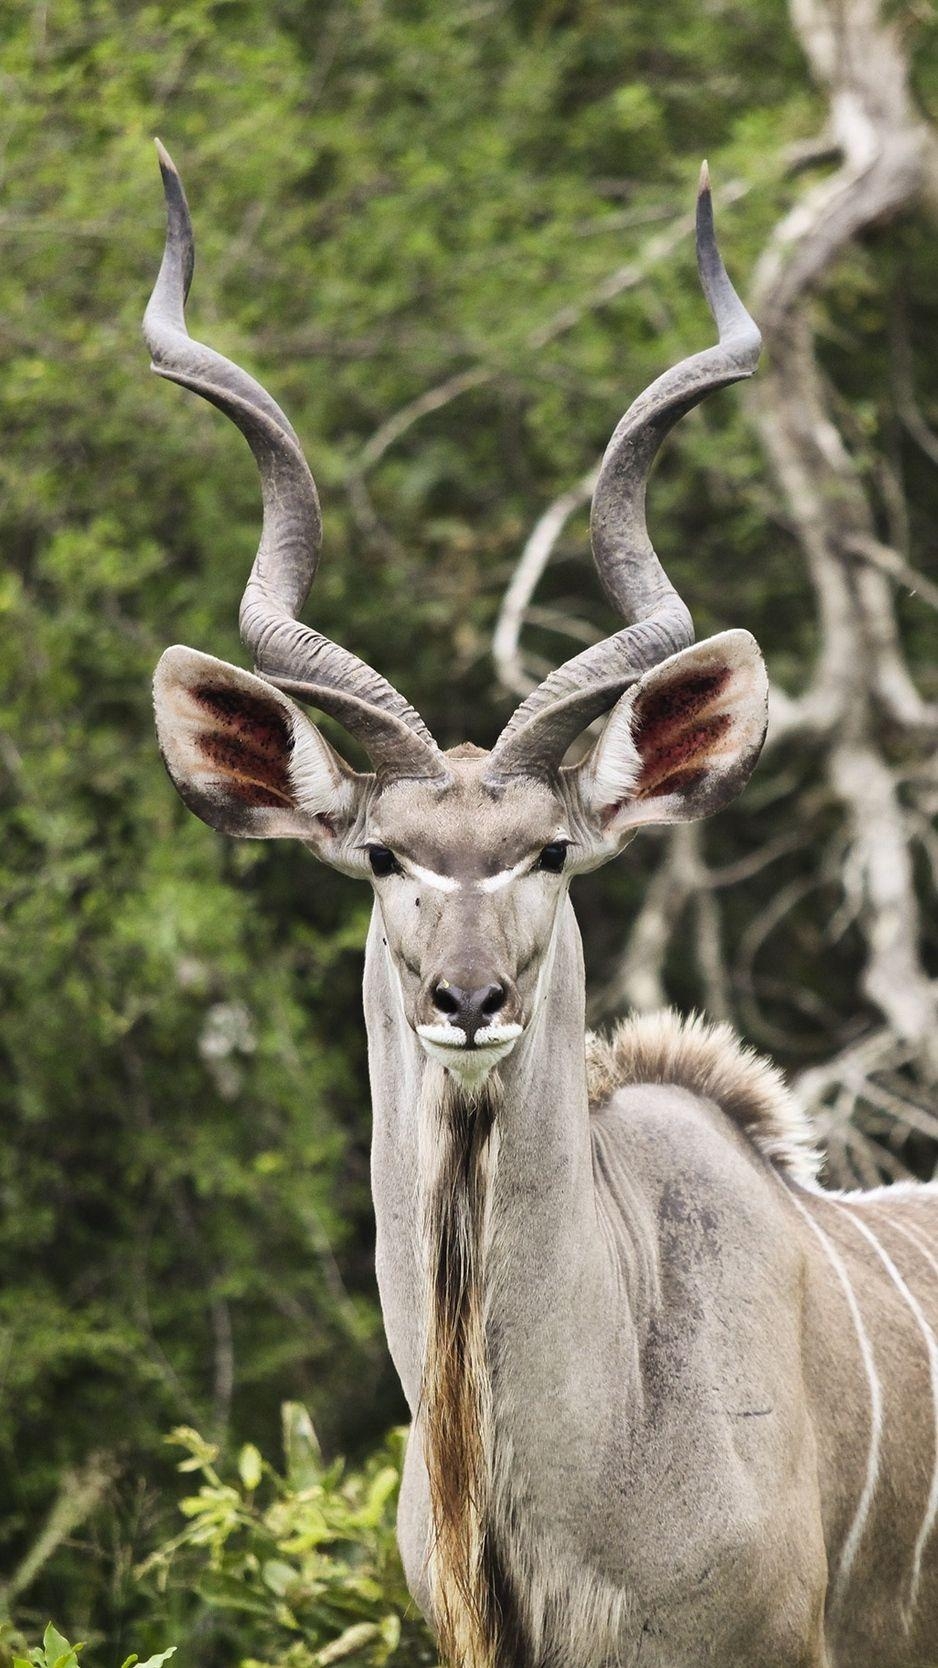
column 672, row 704
column 673, row 737
column 678, row 756
column 253, row 748
column 265, row 722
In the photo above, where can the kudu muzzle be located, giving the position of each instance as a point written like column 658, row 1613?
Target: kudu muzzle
column 469, row 1019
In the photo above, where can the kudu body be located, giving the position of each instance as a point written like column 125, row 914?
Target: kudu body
column 672, row 1404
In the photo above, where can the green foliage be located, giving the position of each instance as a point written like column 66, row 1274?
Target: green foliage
column 302, row 1566
column 56, row 1652
column 296, row 1568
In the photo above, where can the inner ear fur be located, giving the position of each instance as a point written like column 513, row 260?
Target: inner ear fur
column 243, row 756
column 683, row 741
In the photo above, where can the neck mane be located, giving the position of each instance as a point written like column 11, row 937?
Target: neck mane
column 456, row 1403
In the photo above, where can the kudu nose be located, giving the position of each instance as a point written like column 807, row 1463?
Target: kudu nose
column 472, row 1010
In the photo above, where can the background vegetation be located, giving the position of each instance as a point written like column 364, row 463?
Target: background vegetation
column 452, row 238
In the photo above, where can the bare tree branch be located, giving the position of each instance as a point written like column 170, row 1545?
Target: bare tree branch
column 888, row 164
column 889, row 561
column 638, row 979
column 539, row 547
column 903, row 384
column 893, row 977
column 80, row 1493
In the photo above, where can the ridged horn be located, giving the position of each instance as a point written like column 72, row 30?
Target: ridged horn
column 553, row 715
column 289, row 654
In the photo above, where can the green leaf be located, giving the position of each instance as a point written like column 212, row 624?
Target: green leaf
column 250, row 1466
column 202, row 1454
column 380, row 1492
column 300, row 1445
column 157, row 1661
column 279, row 1577
column 54, row 1644
column 57, row 1650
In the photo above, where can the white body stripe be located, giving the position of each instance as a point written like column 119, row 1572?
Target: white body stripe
column 931, row 1506
column 855, row 1532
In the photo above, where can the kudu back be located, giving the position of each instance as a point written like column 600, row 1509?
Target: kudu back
column 672, row 1403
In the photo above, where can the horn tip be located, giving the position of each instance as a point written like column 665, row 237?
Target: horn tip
column 179, row 253
column 167, row 165
column 173, row 188
column 175, row 193
column 705, row 232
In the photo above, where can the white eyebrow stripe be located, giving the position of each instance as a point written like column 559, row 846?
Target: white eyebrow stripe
column 491, row 883
column 440, row 883
column 494, row 883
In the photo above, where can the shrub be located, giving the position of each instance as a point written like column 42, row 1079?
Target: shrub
column 299, row 1569
column 56, row 1652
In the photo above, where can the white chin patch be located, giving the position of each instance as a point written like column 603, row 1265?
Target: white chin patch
column 447, row 1043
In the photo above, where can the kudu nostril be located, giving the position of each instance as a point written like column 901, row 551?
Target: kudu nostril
column 492, row 999
column 471, row 1010
column 446, row 998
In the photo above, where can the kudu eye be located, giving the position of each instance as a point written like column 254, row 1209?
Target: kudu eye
column 553, row 857
column 383, row 861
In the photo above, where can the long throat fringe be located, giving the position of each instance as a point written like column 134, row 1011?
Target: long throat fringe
column 460, row 1141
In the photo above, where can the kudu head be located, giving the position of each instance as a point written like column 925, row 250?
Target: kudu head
column 469, row 852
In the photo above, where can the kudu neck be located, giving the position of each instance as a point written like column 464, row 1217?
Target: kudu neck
column 543, row 1202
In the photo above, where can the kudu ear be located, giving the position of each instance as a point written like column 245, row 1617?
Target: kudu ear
column 682, row 742
column 246, row 759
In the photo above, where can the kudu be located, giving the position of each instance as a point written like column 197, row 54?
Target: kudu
column 672, row 1403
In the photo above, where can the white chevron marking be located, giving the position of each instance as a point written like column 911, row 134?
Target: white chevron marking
column 855, row 1532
